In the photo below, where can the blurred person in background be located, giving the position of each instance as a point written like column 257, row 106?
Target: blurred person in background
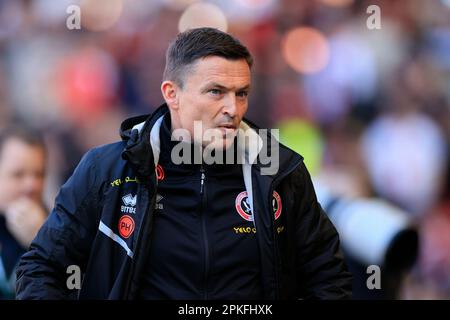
column 22, row 213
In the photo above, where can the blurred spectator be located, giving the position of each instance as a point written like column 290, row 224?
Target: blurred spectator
column 405, row 155
column 22, row 169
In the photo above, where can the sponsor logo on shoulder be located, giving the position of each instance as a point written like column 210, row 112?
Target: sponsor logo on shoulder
column 126, row 226
column 129, row 202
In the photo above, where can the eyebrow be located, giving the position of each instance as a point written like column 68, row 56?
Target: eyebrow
column 217, row 85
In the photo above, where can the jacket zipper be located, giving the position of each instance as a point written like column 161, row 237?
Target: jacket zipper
column 274, row 184
column 205, row 236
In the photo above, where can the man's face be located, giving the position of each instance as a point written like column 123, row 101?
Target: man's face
column 215, row 92
column 21, row 172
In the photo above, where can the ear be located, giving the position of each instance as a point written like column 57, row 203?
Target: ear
column 169, row 90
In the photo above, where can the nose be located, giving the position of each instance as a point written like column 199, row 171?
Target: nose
column 230, row 106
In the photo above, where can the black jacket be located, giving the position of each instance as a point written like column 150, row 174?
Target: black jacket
column 86, row 228
column 203, row 244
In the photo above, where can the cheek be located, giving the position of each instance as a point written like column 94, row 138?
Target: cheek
column 188, row 115
column 12, row 186
column 190, row 107
column 10, row 189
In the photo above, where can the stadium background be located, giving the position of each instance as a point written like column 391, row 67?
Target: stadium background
column 369, row 108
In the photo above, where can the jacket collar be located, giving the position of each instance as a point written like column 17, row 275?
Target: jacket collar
column 138, row 150
column 141, row 134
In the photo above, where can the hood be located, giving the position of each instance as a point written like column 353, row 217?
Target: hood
column 138, row 122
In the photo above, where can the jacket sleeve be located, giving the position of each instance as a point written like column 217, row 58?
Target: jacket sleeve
column 64, row 239
column 321, row 270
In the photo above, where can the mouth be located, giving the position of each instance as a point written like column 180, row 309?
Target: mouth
column 228, row 126
column 228, row 129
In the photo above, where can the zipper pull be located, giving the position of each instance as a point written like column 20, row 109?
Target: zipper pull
column 202, row 179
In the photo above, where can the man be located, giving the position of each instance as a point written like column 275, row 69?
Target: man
column 22, row 167
column 145, row 218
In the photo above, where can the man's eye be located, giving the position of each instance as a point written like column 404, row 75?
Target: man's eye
column 242, row 94
column 215, row 91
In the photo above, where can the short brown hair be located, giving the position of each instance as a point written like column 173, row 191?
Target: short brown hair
column 194, row 44
column 23, row 133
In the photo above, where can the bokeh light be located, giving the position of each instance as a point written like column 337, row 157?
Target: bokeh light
column 305, row 49
column 304, row 138
column 248, row 13
column 87, row 82
column 337, row 3
column 178, row 4
column 49, row 12
column 446, row 2
column 136, row 12
column 254, row 3
column 100, row 15
column 203, row 15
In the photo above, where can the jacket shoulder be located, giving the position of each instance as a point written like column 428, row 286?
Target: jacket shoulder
column 107, row 154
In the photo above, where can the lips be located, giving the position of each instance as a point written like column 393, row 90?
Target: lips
column 228, row 130
column 227, row 126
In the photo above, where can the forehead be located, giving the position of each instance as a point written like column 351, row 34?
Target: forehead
column 15, row 152
column 230, row 73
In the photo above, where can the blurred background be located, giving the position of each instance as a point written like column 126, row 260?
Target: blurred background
column 367, row 105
